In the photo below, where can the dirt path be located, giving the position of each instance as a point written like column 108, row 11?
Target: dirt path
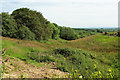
column 17, row 69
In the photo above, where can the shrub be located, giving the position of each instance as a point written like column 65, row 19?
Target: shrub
column 75, row 74
column 93, row 56
column 64, row 51
column 9, row 26
column 37, row 56
column 47, row 59
column 62, row 68
column 25, row 33
column 68, row 33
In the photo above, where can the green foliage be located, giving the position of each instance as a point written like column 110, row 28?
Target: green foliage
column 27, row 24
column 25, row 33
column 62, row 68
column 101, row 62
column 74, row 74
column 22, row 76
column 64, row 51
column 36, row 55
column 111, row 34
column 34, row 21
column 47, row 59
column 56, row 31
column 88, row 64
column 11, row 29
column 68, row 33
column 85, row 32
column 9, row 26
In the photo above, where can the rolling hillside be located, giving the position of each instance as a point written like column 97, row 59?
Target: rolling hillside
column 94, row 56
column 97, row 43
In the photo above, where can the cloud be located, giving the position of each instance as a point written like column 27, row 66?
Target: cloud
column 73, row 13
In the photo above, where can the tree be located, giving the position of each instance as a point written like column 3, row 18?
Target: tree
column 68, row 33
column 9, row 26
column 25, row 33
column 34, row 21
column 56, row 31
column 24, row 23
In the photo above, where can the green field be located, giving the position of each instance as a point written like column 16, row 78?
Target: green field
column 94, row 56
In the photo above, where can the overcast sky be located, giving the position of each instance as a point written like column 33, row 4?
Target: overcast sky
column 71, row 13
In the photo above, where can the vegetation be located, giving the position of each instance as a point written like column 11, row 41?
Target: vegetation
column 40, row 41
column 112, row 34
column 96, row 62
column 68, row 34
column 9, row 26
column 27, row 24
column 88, row 32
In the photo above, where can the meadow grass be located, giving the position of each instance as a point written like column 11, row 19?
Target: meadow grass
column 97, row 43
column 93, row 56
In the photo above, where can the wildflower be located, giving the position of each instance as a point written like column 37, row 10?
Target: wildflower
column 99, row 72
column 4, row 49
column 109, row 70
column 8, row 58
column 80, row 76
column 3, row 52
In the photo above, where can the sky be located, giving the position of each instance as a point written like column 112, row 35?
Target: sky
column 70, row 13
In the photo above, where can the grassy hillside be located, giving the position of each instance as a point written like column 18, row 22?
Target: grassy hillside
column 94, row 56
column 97, row 43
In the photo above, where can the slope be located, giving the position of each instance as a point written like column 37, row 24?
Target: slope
column 89, row 55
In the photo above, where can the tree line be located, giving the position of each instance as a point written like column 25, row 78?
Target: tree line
column 28, row 24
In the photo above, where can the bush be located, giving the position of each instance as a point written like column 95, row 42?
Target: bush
column 62, row 68
column 47, row 59
column 9, row 26
column 68, row 33
column 25, row 33
column 64, row 51
column 37, row 56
